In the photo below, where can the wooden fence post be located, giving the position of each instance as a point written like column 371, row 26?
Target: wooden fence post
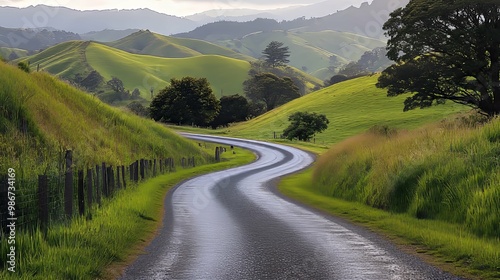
column 142, row 163
column 81, row 194
column 43, row 201
column 118, row 178
column 97, row 185
column 131, row 170
column 136, row 171
column 111, row 180
column 4, row 187
column 217, row 154
column 104, row 177
column 123, row 177
column 68, row 185
column 89, row 190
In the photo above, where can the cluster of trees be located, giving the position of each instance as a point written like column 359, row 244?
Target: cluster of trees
column 190, row 101
column 94, row 82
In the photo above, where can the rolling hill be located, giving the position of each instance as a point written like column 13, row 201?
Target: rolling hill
column 12, row 53
column 352, row 107
column 146, row 42
column 59, row 117
column 144, row 71
column 65, row 60
column 310, row 51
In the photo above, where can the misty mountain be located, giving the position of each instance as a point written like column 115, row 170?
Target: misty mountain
column 32, row 40
column 289, row 13
column 366, row 20
column 61, row 18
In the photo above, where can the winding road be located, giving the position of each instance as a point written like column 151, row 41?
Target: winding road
column 232, row 225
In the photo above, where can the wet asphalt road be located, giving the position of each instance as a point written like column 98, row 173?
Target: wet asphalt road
column 232, row 225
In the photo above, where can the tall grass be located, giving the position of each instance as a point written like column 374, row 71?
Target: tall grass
column 446, row 171
column 60, row 117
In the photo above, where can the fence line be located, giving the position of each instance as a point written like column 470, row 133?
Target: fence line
column 57, row 199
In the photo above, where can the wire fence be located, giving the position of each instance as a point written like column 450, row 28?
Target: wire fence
column 55, row 199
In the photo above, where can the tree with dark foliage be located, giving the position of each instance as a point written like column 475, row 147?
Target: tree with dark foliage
column 270, row 89
column 116, row 84
column 234, row 108
column 276, row 54
column 305, row 125
column 445, row 50
column 186, row 101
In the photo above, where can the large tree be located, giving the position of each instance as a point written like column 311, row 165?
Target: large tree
column 234, row 108
column 116, row 84
column 304, row 125
column 276, row 54
column 270, row 89
column 445, row 50
column 186, row 101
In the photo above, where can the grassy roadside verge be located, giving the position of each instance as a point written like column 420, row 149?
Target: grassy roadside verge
column 443, row 244
column 119, row 229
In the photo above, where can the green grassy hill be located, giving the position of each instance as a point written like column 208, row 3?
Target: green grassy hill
column 146, row 42
column 310, row 51
column 226, row 75
column 58, row 117
column 65, row 60
column 7, row 52
column 352, row 107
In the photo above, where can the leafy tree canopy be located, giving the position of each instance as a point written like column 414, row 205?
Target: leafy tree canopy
column 305, row 125
column 276, row 54
column 116, row 84
column 234, row 108
column 445, row 50
column 270, row 89
column 186, row 101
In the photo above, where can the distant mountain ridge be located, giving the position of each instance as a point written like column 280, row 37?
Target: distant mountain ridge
column 367, row 20
column 61, row 18
column 33, row 40
column 315, row 10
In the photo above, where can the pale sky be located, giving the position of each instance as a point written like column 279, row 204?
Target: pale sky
column 174, row 7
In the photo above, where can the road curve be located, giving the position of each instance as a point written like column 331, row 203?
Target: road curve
column 230, row 225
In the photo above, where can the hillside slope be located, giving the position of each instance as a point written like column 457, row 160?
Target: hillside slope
column 65, row 60
column 41, row 117
column 309, row 51
column 352, row 107
column 146, row 42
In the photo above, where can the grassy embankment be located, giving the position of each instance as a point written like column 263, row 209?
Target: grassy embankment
column 58, row 117
column 436, row 188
